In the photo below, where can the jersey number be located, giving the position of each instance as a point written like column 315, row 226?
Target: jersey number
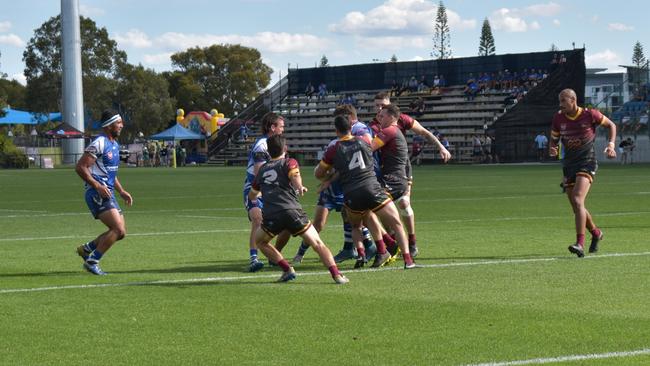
column 270, row 176
column 357, row 161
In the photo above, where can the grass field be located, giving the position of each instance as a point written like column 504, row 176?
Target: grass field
column 497, row 282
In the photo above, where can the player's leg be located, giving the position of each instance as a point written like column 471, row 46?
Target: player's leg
column 114, row 220
column 389, row 216
column 311, row 237
column 408, row 218
column 262, row 240
column 282, row 240
column 577, row 194
column 255, row 217
column 320, row 219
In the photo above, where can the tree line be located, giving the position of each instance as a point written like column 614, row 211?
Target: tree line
column 222, row 76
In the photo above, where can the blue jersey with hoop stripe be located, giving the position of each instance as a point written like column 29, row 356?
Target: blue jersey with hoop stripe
column 259, row 154
column 107, row 155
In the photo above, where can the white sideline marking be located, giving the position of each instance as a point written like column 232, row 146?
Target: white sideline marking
column 593, row 356
column 303, row 274
column 134, row 234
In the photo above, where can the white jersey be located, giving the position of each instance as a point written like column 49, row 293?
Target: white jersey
column 107, row 155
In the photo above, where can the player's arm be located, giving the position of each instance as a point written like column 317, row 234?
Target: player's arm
column 257, row 166
column 554, row 141
column 83, row 170
column 126, row 196
column 432, row 139
column 324, row 169
column 610, row 150
column 295, row 178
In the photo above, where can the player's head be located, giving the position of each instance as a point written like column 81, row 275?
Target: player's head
column 388, row 115
column 346, row 110
column 272, row 124
column 276, row 145
column 342, row 125
column 568, row 101
column 381, row 99
column 111, row 122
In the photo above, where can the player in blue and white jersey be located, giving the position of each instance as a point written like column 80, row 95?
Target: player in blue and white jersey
column 98, row 168
column 331, row 198
column 272, row 124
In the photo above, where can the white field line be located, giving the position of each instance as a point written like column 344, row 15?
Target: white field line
column 592, row 356
column 160, row 233
column 303, row 274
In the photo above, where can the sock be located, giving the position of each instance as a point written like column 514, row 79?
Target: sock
column 284, row 265
column 361, row 251
column 366, row 234
column 90, row 246
column 303, row 248
column 596, row 232
column 580, row 239
column 381, row 247
column 388, row 239
column 253, row 253
column 347, row 237
column 412, row 241
column 407, row 258
column 96, row 255
column 334, row 270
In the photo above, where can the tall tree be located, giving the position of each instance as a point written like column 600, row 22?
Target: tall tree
column 441, row 34
column 143, row 100
column 324, row 62
column 230, row 76
column 100, row 60
column 486, row 45
column 12, row 93
column 393, row 58
column 641, row 65
column 553, row 48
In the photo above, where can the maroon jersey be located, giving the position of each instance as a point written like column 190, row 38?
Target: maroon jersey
column 274, row 181
column 405, row 123
column 394, row 153
column 577, row 134
column 352, row 159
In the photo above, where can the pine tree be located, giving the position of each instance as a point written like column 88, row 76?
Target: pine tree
column 393, row 58
column 441, row 35
column 486, row 45
column 324, row 62
column 640, row 63
column 553, row 48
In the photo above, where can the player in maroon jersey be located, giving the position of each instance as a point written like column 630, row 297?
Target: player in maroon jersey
column 575, row 127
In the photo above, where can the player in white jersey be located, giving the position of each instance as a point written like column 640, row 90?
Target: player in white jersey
column 98, row 168
column 272, row 124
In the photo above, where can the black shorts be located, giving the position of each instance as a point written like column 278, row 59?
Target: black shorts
column 395, row 187
column 585, row 168
column 294, row 221
column 366, row 198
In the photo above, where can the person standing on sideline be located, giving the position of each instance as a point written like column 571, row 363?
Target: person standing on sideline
column 98, row 169
column 541, row 143
column 575, row 128
column 279, row 181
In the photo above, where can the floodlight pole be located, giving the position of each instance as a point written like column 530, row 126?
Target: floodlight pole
column 73, row 105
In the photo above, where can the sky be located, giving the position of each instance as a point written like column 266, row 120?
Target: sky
column 297, row 33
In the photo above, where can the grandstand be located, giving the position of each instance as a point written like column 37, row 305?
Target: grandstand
column 309, row 124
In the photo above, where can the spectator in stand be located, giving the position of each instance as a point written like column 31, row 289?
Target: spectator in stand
column 562, row 59
column 555, row 61
column 423, row 84
column 435, row 88
column 506, row 80
column 322, row 90
column 309, row 90
column 471, row 88
column 349, row 99
column 443, row 82
column 394, row 89
column 417, row 107
column 484, row 82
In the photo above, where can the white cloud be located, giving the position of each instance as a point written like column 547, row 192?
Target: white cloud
column 398, row 16
column 595, row 19
column 133, row 38
column 508, row 20
column 5, row 26
column 391, row 44
column 556, row 22
column 535, row 25
column 19, row 78
column 619, row 27
column 301, row 44
column 544, row 10
column 163, row 59
column 90, row 11
column 11, row 40
column 606, row 58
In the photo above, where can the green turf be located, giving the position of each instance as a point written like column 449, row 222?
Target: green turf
column 499, row 284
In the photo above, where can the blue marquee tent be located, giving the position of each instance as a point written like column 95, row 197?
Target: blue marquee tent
column 16, row 117
column 177, row 132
